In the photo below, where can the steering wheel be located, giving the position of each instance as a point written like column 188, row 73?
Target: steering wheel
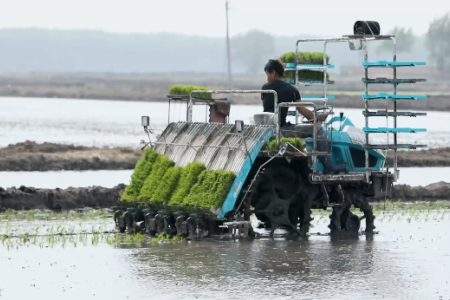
column 310, row 121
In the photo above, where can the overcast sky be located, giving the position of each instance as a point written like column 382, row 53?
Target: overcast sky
column 207, row 17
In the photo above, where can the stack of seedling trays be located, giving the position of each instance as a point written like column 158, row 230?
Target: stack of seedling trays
column 310, row 68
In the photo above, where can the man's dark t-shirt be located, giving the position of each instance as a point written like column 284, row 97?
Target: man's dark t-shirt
column 286, row 93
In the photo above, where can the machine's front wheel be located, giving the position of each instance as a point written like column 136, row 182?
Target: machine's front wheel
column 276, row 197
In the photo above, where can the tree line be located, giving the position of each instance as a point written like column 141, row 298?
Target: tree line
column 42, row 50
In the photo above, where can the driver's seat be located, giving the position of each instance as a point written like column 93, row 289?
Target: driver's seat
column 290, row 130
column 297, row 130
column 265, row 118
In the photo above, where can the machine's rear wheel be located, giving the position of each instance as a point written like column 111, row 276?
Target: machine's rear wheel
column 361, row 202
column 276, row 197
column 343, row 219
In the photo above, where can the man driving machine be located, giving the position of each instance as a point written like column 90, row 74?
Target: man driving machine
column 288, row 93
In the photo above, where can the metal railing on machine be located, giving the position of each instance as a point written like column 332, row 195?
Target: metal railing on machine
column 276, row 112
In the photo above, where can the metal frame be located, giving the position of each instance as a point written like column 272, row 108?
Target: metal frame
column 363, row 39
column 366, row 104
column 276, row 111
column 326, row 41
column 198, row 100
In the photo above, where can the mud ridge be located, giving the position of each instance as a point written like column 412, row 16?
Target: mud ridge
column 25, row 198
column 31, row 156
column 435, row 191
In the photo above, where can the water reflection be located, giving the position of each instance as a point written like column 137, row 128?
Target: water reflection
column 260, row 267
column 406, row 260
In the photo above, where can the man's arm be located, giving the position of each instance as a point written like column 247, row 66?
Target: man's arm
column 303, row 110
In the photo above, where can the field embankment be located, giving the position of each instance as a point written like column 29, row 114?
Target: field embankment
column 154, row 88
column 25, row 198
column 30, row 156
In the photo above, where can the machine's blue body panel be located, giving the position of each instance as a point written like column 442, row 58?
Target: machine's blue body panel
column 228, row 205
column 383, row 63
column 393, row 97
column 291, row 67
column 343, row 141
column 393, row 130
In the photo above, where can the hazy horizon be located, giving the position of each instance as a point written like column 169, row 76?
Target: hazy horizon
column 206, row 18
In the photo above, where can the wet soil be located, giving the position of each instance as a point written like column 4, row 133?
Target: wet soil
column 26, row 198
column 31, row 156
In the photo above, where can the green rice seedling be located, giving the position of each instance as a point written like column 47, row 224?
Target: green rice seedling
column 127, row 238
column 162, row 164
column 163, row 236
column 140, row 174
column 202, row 192
column 304, row 57
column 296, row 142
column 185, row 90
column 221, row 188
column 168, row 185
column 305, row 75
column 189, row 177
column 178, row 238
column 139, row 238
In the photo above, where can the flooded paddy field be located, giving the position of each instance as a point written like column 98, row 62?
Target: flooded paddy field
column 75, row 255
column 79, row 254
column 103, row 123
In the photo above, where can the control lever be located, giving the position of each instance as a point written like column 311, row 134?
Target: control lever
column 341, row 115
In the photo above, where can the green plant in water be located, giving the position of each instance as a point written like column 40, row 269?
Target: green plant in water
column 141, row 173
column 168, row 185
column 185, row 90
column 160, row 237
column 178, row 238
column 188, row 178
column 139, row 238
column 162, row 164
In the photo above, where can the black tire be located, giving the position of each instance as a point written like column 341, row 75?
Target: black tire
column 275, row 196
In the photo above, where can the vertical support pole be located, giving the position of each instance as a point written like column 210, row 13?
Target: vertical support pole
column 228, row 48
column 189, row 109
column 325, row 85
column 277, row 117
column 168, row 116
column 366, row 106
column 296, row 63
column 395, row 108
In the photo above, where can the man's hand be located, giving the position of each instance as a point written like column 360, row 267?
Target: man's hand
column 321, row 117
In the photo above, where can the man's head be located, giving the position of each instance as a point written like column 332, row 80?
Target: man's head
column 274, row 70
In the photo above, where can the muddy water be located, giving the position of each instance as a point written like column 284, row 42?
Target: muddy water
column 408, row 259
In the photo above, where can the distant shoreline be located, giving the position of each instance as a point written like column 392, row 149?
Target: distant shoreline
column 154, row 88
